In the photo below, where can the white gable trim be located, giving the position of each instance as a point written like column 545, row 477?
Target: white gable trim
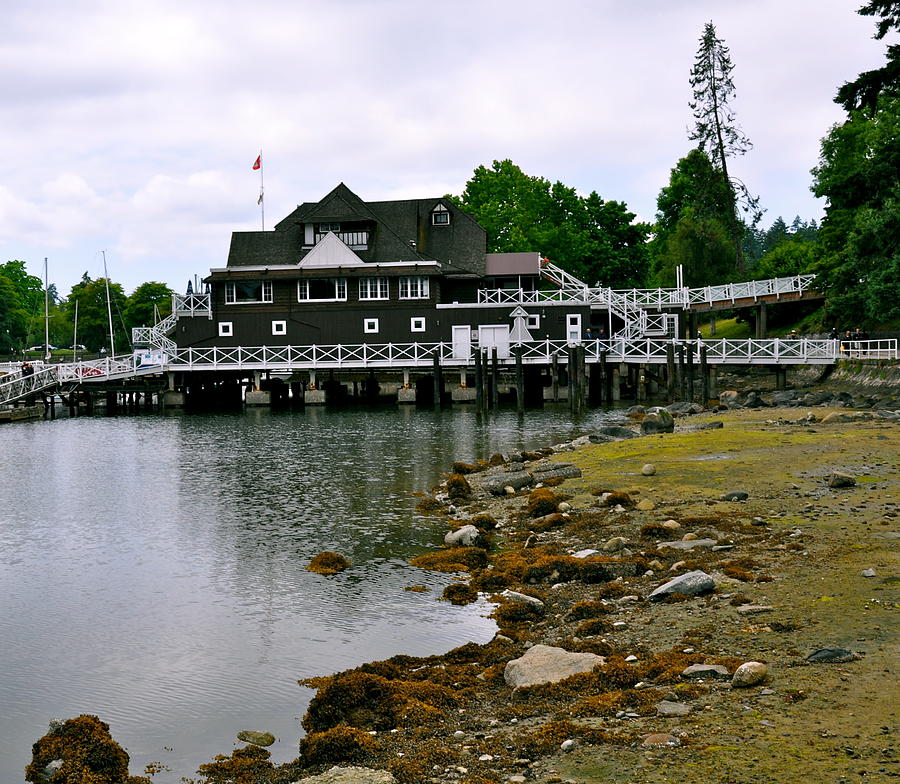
column 331, row 252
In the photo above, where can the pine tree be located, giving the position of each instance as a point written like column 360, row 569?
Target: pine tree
column 716, row 129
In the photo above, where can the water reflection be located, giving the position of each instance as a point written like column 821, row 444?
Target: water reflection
column 154, row 567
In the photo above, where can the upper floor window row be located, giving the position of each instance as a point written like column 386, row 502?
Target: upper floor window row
column 248, row 291
column 327, row 289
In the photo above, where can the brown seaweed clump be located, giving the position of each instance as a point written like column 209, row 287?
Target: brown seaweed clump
column 453, row 559
column 328, row 563
column 429, row 505
column 246, row 765
column 368, row 701
column 460, row 593
column 88, row 752
column 458, row 488
column 588, row 609
column 541, row 501
column 336, row 746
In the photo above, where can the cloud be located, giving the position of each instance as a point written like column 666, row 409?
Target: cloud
column 136, row 124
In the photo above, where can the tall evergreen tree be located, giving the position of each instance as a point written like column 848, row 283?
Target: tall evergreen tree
column 864, row 91
column 715, row 130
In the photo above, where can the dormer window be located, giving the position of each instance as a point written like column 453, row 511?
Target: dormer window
column 324, row 228
column 440, row 216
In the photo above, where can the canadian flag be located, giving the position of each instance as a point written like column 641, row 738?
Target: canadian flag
column 257, row 163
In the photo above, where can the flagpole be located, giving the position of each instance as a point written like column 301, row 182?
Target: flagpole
column 262, row 201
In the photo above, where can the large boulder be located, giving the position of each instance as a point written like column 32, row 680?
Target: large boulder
column 690, row 583
column 496, row 484
column 657, row 420
column 466, row 536
column 547, row 664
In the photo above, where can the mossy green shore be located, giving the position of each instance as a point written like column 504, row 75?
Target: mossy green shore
column 789, row 567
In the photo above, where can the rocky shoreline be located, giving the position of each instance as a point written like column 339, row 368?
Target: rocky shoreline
column 665, row 608
column 700, row 595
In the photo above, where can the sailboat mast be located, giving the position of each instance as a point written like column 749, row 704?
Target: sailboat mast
column 75, row 335
column 46, row 313
column 112, row 340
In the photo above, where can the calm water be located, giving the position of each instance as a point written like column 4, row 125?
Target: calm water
column 152, row 567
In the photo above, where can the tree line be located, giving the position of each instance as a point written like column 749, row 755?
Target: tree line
column 708, row 222
column 22, row 311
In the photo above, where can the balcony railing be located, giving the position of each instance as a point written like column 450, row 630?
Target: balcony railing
column 355, row 240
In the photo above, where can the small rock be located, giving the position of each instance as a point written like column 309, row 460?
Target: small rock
column 687, row 544
column 735, row 495
column 667, row 708
column 689, row 537
column 691, row 583
column 672, row 525
column 657, row 420
column 522, row 598
column 868, row 573
column 485, row 758
column 749, row 674
column 703, row 671
column 585, row 553
column 614, row 545
column 567, row 745
column 648, row 469
column 832, row 656
column 631, row 658
column 646, row 505
column 658, row 739
column 753, row 609
column 256, row 738
column 840, row 479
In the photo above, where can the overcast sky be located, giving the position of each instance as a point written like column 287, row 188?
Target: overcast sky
column 130, row 126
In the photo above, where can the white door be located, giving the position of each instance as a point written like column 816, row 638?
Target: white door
column 573, row 328
column 462, row 342
column 491, row 335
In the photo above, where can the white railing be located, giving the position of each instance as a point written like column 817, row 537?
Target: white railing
column 651, row 298
column 399, row 355
column 867, row 349
column 775, row 351
column 191, row 305
column 17, row 385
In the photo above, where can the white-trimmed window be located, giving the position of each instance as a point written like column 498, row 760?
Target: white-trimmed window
column 370, row 326
column 414, row 287
column 373, row 288
column 533, row 321
column 279, row 328
column 417, row 324
column 226, row 329
column 440, row 216
column 240, row 292
column 326, row 227
column 322, row 290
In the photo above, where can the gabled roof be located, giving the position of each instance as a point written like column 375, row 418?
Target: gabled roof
column 398, row 231
column 331, row 252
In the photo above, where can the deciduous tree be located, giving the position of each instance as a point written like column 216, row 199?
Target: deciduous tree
column 594, row 239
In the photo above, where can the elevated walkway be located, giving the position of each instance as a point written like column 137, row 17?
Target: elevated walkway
column 409, row 356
